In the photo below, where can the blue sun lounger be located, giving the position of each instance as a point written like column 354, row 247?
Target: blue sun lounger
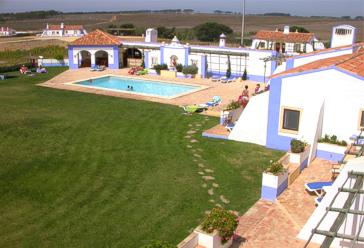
column 318, row 200
column 317, row 187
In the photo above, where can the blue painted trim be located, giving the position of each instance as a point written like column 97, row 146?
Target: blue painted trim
column 331, row 156
column 304, row 164
column 115, row 58
column 215, row 136
column 187, row 53
column 91, row 46
column 282, row 187
column 146, row 59
column 70, row 59
column 162, row 55
column 349, row 73
column 275, row 141
column 203, row 66
column 268, row 193
column 273, row 64
column 289, row 63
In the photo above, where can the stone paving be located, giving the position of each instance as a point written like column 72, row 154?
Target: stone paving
column 227, row 92
column 277, row 224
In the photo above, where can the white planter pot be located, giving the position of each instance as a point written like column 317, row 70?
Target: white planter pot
column 211, row 240
column 273, row 185
column 299, row 158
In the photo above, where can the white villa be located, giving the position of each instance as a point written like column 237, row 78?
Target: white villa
column 286, row 42
column 6, row 31
column 63, row 30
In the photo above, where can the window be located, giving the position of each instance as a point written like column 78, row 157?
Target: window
column 290, row 120
column 361, row 119
column 297, row 48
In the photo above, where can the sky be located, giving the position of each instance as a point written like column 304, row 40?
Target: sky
column 294, row 7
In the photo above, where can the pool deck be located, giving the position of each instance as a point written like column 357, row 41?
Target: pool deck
column 277, row 224
column 227, row 92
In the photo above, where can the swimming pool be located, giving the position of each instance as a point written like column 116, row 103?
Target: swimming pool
column 140, row 86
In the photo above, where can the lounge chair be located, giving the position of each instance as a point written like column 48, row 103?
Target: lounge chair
column 2, row 77
column 231, row 80
column 194, row 108
column 216, row 100
column 224, row 80
column 93, row 68
column 230, row 126
column 215, row 79
column 317, row 187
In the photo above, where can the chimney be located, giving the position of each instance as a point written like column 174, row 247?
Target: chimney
column 286, row 30
column 222, row 40
column 47, row 27
column 62, row 25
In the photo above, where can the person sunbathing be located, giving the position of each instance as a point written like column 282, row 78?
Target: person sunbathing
column 24, row 69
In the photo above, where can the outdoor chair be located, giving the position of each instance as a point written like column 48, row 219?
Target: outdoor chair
column 317, row 187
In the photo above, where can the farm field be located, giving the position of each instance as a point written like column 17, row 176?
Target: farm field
column 84, row 170
column 320, row 26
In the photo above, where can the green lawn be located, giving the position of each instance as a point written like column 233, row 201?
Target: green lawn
column 82, row 170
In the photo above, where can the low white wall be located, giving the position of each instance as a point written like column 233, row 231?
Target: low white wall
column 252, row 124
column 311, row 58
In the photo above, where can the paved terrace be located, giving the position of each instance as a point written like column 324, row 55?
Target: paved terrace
column 227, row 92
column 277, row 224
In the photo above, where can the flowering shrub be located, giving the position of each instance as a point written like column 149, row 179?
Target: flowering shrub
column 275, row 168
column 221, row 220
column 297, row 146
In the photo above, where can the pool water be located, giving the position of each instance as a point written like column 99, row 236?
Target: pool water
column 148, row 87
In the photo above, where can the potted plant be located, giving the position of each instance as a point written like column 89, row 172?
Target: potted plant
column 299, row 152
column 217, row 229
column 331, row 148
column 275, row 180
column 228, row 71
column 190, row 70
column 158, row 68
column 245, row 75
column 231, row 112
column 179, row 67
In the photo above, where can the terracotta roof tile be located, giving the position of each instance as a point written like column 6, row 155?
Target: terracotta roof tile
column 353, row 63
column 97, row 38
column 282, row 37
column 65, row 27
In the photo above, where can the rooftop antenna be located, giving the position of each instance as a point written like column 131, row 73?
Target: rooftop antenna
column 243, row 25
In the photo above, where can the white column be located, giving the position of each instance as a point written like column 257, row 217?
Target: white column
column 93, row 58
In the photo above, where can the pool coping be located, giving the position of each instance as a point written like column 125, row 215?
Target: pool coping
column 199, row 87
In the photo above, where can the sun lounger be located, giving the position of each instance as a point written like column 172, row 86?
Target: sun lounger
column 317, row 187
column 93, row 68
column 215, row 79
column 2, row 77
column 224, row 80
column 216, row 100
column 189, row 109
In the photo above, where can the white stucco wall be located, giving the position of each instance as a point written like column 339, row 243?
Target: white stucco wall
column 343, row 96
column 156, row 55
column 77, row 55
column 178, row 51
column 252, row 124
column 311, row 58
column 351, row 223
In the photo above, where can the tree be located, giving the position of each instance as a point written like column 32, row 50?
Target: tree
column 166, row 33
column 211, row 31
column 129, row 28
column 299, row 29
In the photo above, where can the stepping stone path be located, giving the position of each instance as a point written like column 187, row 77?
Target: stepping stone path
column 224, row 200
column 197, row 158
column 208, row 178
